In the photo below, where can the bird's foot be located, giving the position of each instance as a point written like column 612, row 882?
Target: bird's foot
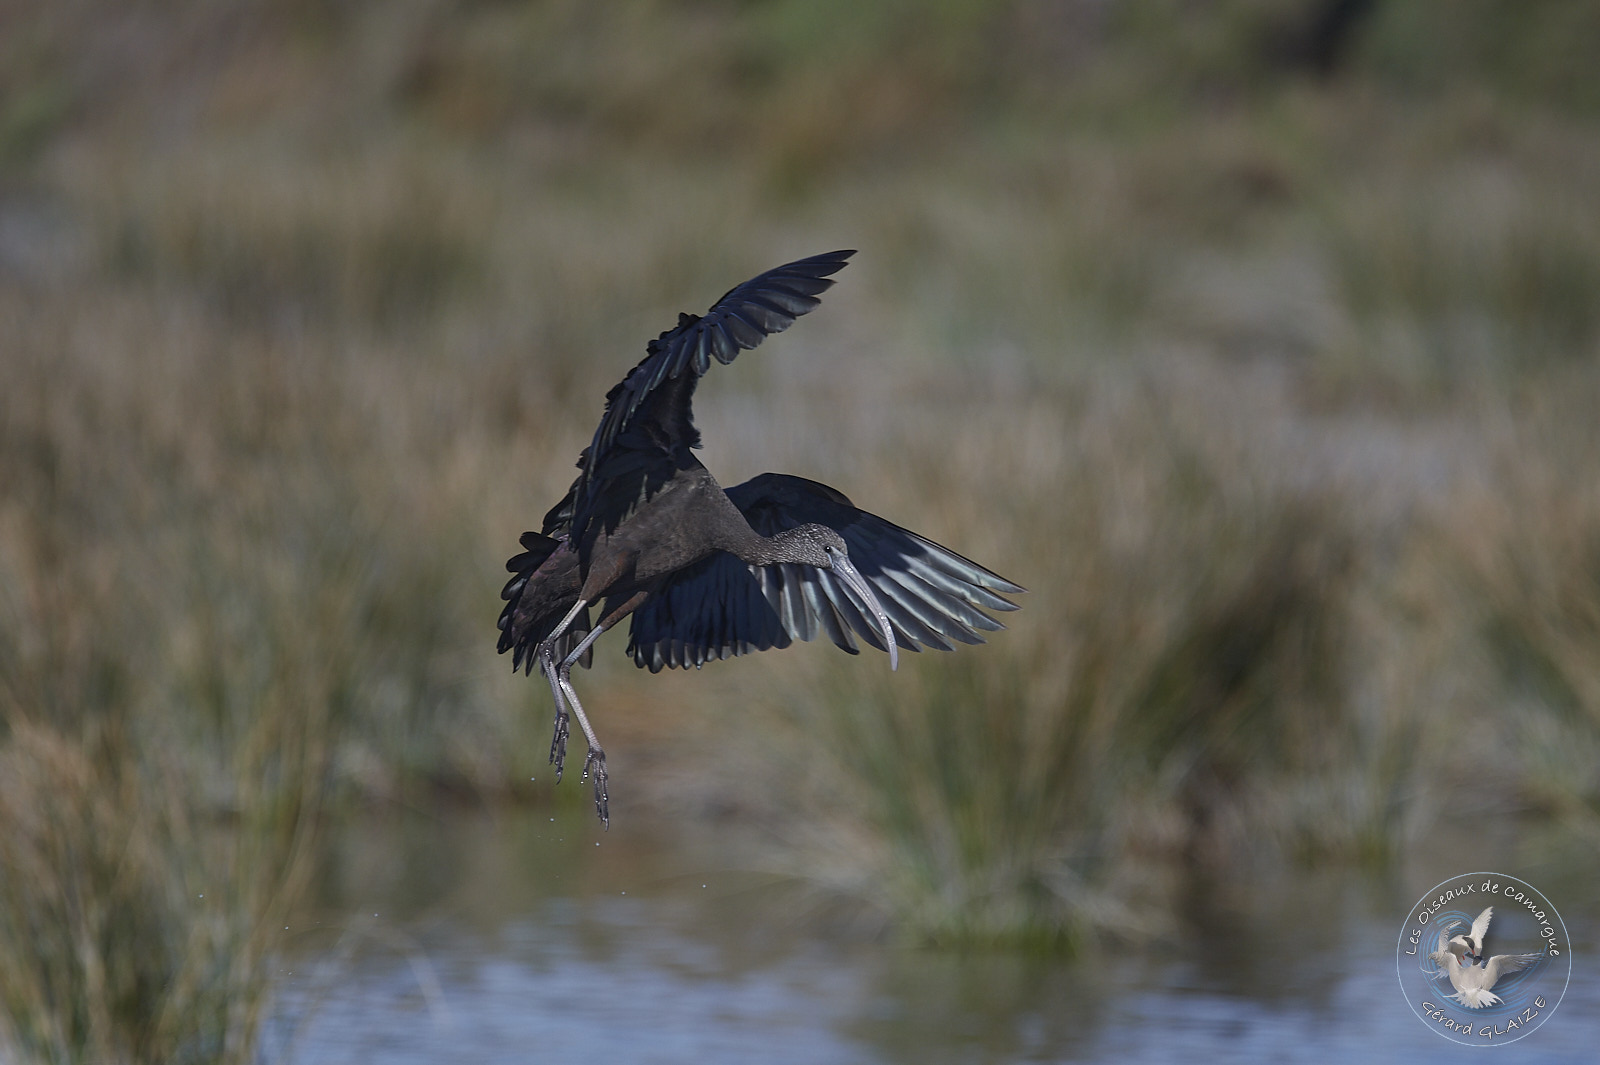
column 596, row 763
column 558, row 742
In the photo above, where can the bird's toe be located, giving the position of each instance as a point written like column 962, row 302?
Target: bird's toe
column 596, row 764
column 558, row 744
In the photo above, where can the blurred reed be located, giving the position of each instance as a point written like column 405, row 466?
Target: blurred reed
column 1527, row 542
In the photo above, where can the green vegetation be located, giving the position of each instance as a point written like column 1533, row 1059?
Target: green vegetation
column 1272, row 373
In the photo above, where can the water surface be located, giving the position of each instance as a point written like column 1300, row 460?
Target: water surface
column 513, row 938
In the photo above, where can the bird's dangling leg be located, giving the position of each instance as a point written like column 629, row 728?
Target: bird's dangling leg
column 596, row 761
column 548, row 666
column 558, row 741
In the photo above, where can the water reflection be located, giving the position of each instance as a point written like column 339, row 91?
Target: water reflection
column 516, row 938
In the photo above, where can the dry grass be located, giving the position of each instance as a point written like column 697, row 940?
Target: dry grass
column 1175, row 688
column 1528, row 541
column 1272, row 391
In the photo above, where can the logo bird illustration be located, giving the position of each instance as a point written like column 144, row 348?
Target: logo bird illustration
column 1457, row 957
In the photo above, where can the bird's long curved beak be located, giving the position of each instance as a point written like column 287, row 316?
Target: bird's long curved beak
column 852, row 576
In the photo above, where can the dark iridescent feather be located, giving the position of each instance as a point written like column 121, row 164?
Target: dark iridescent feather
column 647, row 429
column 522, row 642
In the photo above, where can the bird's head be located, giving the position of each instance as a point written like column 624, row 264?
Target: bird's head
column 823, row 547
column 814, row 545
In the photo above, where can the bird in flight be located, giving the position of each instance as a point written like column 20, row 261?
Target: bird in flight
column 708, row 573
column 1472, row 942
column 1454, row 955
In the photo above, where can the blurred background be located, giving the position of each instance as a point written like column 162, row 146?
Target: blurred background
column 1259, row 339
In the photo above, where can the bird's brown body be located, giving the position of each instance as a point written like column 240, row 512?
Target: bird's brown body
column 630, row 559
column 690, row 517
column 708, row 572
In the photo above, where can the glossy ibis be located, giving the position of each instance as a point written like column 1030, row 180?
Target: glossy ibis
column 708, row 573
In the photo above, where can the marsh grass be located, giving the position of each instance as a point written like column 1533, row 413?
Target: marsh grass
column 1272, row 391
column 212, row 640
column 136, row 926
column 1526, row 555
column 1179, row 694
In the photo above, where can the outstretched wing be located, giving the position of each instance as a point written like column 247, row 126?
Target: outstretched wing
column 1504, row 965
column 647, row 429
column 721, row 607
column 1480, row 928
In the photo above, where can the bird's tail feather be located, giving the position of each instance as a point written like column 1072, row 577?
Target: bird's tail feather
column 1477, row 998
column 537, row 548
